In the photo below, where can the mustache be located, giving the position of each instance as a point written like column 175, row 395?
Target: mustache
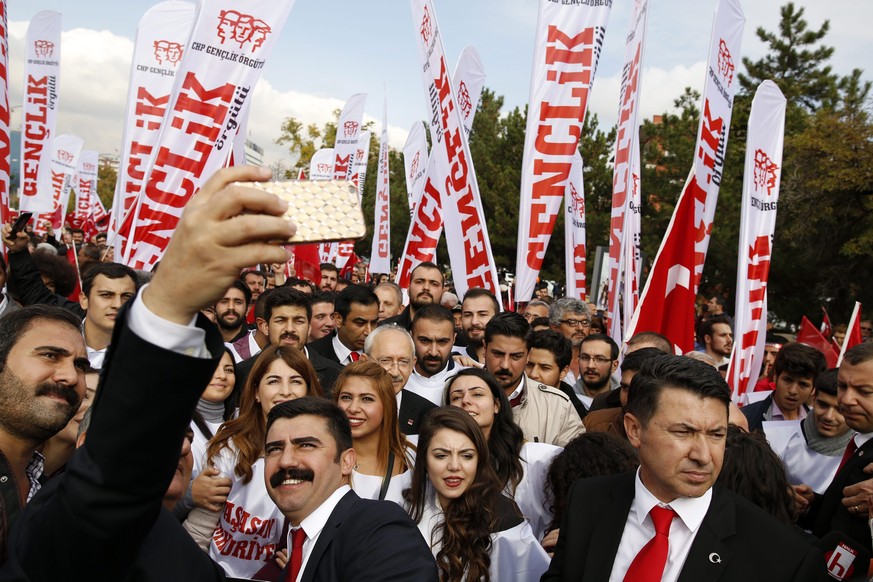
column 296, row 474
column 289, row 335
column 68, row 393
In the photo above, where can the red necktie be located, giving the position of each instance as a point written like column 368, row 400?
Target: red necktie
column 850, row 450
column 354, row 356
column 648, row 565
column 298, row 536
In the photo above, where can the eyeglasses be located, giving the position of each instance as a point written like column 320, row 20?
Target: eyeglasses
column 576, row 322
column 400, row 363
column 585, row 359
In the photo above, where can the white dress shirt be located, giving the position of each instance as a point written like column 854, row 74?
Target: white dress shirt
column 639, row 529
column 343, row 354
column 314, row 524
column 432, row 388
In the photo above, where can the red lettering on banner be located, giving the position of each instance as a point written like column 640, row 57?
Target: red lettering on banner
column 199, row 113
column 149, row 110
column 36, row 134
column 342, row 166
column 710, row 135
column 136, row 164
column 542, row 221
column 424, row 233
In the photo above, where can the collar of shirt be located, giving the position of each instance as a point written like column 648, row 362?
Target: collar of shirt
column 776, row 414
column 862, row 438
column 438, row 378
column 519, row 390
column 691, row 510
column 3, row 301
column 314, row 523
column 96, row 357
column 343, row 353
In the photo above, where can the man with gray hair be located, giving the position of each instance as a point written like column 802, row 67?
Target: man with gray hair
column 569, row 317
column 390, row 300
column 392, row 348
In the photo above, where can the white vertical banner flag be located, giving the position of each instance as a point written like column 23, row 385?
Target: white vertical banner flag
column 667, row 302
column 632, row 255
column 761, row 177
column 86, row 190
column 575, row 260
column 321, row 164
column 380, row 256
column 224, row 59
column 626, row 147
column 161, row 40
column 568, row 43
column 5, row 136
column 347, row 128
column 41, row 77
column 64, row 162
column 426, row 224
column 359, row 166
column 466, row 232
column 415, row 162
column 718, row 103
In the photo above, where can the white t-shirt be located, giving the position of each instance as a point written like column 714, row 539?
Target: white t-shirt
column 530, row 495
column 250, row 526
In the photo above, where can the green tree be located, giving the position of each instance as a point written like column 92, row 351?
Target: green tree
column 106, row 179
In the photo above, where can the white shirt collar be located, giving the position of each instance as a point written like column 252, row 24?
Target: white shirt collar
column 691, row 510
column 313, row 523
column 341, row 351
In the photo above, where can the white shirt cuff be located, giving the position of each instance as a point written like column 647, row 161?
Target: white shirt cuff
column 188, row 340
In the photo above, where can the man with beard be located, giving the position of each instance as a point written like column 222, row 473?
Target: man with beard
column 570, row 318
column 426, row 286
column 230, row 312
column 329, row 277
column 433, row 332
column 287, row 314
column 479, row 306
column 598, row 360
column 543, row 413
column 392, row 348
column 42, row 381
column 717, row 337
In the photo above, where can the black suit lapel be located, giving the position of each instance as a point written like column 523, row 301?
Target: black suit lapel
column 610, row 523
column 709, row 555
column 328, row 533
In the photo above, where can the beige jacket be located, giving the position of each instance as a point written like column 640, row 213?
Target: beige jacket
column 546, row 415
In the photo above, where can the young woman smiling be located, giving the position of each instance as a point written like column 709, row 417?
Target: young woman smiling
column 364, row 392
column 521, row 467
column 474, row 531
column 243, row 532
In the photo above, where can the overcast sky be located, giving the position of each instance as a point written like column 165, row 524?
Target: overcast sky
column 314, row 69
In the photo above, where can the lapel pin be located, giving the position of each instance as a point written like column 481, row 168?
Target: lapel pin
column 715, row 558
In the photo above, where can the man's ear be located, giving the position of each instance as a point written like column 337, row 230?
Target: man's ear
column 633, row 427
column 564, row 372
column 262, row 326
column 83, row 300
column 337, row 319
column 348, row 458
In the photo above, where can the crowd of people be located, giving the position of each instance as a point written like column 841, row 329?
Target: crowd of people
column 219, row 419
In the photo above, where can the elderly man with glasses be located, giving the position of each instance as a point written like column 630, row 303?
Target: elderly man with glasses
column 570, row 318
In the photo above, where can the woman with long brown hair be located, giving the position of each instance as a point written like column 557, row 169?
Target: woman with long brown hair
column 244, row 533
column 474, row 531
column 385, row 458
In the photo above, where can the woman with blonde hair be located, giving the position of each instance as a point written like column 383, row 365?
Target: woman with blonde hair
column 243, row 532
column 363, row 390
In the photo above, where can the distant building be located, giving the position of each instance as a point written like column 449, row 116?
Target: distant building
column 254, row 153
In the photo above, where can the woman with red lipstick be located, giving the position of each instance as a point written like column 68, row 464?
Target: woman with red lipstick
column 244, row 532
column 364, row 392
column 521, row 467
column 474, row 531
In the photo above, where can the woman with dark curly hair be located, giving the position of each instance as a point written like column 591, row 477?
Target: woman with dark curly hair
column 520, row 466
column 474, row 531
column 588, row 455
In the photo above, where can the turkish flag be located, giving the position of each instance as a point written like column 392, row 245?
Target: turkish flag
column 307, row 263
column 812, row 337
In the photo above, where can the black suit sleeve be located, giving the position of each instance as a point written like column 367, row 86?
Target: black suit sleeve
column 112, row 491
